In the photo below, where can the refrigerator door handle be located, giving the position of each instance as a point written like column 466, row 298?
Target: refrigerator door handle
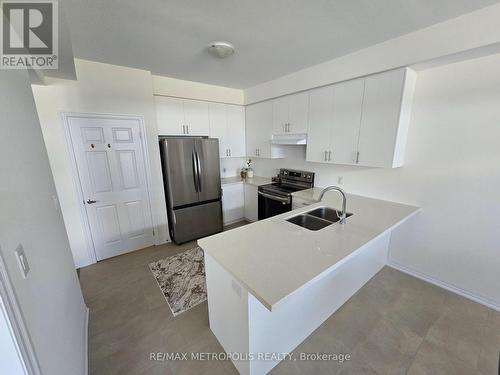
column 195, row 171
column 199, row 170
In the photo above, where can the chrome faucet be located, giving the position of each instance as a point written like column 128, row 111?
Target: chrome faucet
column 344, row 200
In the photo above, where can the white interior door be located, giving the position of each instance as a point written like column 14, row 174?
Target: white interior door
column 112, row 174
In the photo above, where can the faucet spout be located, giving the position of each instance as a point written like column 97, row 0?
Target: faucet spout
column 344, row 200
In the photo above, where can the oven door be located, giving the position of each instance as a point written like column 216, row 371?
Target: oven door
column 272, row 205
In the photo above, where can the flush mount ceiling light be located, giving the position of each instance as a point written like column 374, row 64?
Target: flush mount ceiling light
column 221, row 49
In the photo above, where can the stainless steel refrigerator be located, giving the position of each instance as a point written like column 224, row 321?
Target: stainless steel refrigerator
column 191, row 175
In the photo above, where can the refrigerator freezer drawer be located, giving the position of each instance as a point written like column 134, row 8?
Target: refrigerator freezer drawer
column 195, row 222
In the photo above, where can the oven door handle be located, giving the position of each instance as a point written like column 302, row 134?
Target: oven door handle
column 275, row 198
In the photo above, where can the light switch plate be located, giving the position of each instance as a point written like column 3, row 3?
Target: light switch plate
column 23, row 261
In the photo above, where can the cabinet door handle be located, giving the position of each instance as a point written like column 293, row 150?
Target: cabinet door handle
column 326, row 153
column 357, row 157
column 329, row 155
column 183, row 129
column 229, row 150
column 187, row 129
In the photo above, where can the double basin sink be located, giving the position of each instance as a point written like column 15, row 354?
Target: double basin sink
column 318, row 218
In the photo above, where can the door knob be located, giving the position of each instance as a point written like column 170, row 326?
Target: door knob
column 90, row 201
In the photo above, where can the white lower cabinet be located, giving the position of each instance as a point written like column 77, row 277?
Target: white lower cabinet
column 251, row 203
column 233, row 203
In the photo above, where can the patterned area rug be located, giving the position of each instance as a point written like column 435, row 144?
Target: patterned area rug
column 181, row 279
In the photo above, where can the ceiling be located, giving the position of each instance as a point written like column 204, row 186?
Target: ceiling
column 272, row 37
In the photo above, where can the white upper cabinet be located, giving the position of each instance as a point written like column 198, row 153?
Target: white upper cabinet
column 169, row 115
column 334, row 120
column 259, row 130
column 227, row 123
column 299, row 110
column 218, row 126
column 385, row 120
column 363, row 121
column 280, row 115
column 320, row 124
column 196, row 117
column 177, row 116
column 346, row 120
column 290, row 113
column 236, row 130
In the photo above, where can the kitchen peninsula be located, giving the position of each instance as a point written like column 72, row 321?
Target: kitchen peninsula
column 272, row 283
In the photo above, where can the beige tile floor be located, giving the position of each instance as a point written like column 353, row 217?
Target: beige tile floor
column 396, row 324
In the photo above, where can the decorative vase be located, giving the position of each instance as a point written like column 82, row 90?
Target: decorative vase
column 249, row 173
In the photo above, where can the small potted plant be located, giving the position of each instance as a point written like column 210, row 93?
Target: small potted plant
column 248, row 168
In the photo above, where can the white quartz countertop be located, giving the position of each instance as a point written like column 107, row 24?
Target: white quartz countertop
column 274, row 258
column 255, row 180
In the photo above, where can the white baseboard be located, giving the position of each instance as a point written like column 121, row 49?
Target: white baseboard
column 445, row 285
column 86, row 343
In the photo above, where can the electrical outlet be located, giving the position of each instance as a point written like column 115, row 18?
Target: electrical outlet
column 22, row 260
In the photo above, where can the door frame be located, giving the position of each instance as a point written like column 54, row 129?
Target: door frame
column 19, row 332
column 76, row 178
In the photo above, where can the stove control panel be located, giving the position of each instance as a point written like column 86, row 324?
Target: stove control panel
column 295, row 175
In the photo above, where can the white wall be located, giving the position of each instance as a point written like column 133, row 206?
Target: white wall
column 196, row 90
column 11, row 361
column 100, row 88
column 230, row 167
column 452, row 170
column 50, row 297
column 470, row 31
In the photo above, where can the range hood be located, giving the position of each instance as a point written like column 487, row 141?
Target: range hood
column 289, row 139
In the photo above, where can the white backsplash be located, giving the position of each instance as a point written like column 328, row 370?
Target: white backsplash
column 230, row 167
